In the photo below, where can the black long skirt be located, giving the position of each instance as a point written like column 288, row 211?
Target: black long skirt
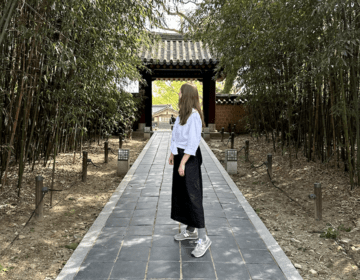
column 187, row 192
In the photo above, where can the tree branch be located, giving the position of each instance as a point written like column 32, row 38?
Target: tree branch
column 177, row 13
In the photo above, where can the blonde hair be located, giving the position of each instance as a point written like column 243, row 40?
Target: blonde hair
column 189, row 99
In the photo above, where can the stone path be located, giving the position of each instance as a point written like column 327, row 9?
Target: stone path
column 133, row 236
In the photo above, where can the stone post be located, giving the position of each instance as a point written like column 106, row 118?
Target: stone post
column 123, row 162
column 147, row 132
column 231, row 161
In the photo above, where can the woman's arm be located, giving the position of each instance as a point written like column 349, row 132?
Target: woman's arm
column 182, row 164
column 194, row 139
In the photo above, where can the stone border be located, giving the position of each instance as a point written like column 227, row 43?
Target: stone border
column 73, row 264
column 282, row 260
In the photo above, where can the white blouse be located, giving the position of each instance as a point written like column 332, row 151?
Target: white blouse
column 187, row 136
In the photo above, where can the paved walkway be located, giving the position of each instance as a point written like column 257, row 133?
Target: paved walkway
column 133, row 236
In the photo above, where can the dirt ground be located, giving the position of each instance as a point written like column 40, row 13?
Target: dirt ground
column 292, row 223
column 41, row 250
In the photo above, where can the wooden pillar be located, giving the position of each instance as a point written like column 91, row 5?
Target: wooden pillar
column 206, row 90
column 148, row 101
column 209, row 88
column 212, row 99
column 141, row 121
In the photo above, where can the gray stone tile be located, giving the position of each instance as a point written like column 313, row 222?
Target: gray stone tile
column 241, row 223
column 112, row 242
column 164, row 199
column 232, row 207
column 192, row 270
column 148, row 199
column 212, row 206
column 265, row 271
column 250, row 241
column 137, row 240
column 150, row 191
column 163, row 269
column 244, row 230
column 224, row 200
column 117, row 222
column 239, row 214
column 191, row 243
column 257, row 256
column 166, row 205
column 152, row 185
column 187, row 257
column 222, row 242
column 219, row 231
column 128, row 269
column 164, row 220
column 233, row 271
column 164, row 241
column 134, row 253
column 171, row 254
column 217, row 221
column 94, row 271
column 110, row 232
column 214, row 213
column 142, row 221
column 128, row 199
column 226, row 254
column 144, row 212
column 121, row 213
column 166, row 229
column 146, row 205
column 128, row 206
column 139, row 230
column 156, row 172
column 101, row 255
column 150, row 194
column 163, row 212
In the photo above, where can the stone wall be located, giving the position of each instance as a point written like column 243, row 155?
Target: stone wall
column 230, row 113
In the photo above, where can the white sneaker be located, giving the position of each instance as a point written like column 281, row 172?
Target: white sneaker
column 201, row 247
column 185, row 234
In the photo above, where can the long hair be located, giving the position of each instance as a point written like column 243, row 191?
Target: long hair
column 189, row 100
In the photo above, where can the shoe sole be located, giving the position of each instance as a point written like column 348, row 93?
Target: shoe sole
column 187, row 238
column 204, row 251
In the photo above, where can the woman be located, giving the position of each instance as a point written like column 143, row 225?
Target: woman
column 187, row 189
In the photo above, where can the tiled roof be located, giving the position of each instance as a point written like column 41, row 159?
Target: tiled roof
column 174, row 50
column 157, row 108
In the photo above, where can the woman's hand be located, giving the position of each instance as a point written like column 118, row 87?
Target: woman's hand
column 171, row 159
column 181, row 169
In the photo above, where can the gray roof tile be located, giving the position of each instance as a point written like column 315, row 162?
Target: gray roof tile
column 174, row 50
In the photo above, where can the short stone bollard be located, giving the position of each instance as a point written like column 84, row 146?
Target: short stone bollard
column 123, row 162
column 147, row 132
column 206, row 133
column 231, row 161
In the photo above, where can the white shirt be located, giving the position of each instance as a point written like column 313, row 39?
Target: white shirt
column 187, row 136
